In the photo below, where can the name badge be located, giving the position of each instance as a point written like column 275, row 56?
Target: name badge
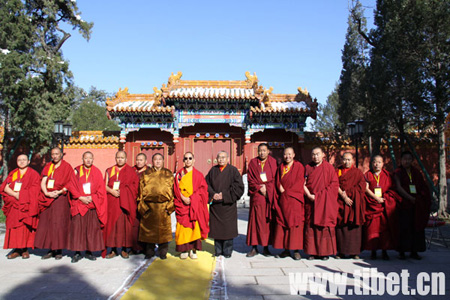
column 116, row 185
column 378, row 192
column 412, row 189
column 263, row 176
column 50, row 183
column 87, row 188
column 17, row 186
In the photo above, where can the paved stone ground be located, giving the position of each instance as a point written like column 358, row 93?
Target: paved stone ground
column 267, row 278
column 235, row 278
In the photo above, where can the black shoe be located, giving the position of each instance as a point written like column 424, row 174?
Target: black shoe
column 402, row 256
column 90, row 256
column 76, row 258
column 373, row 256
column 163, row 256
column 416, row 256
column 297, row 255
column 325, row 257
column 266, row 252
column 339, row 256
column 284, row 254
column 58, row 254
column 355, row 257
column 217, row 254
column 311, row 257
column 252, row 253
column 227, row 255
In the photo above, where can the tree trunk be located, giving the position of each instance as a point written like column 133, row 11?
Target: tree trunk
column 442, row 212
column 5, row 148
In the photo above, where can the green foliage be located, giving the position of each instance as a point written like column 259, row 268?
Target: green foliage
column 327, row 116
column 352, row 80
column 2, row 217
column 36, row 86
column 89, row 112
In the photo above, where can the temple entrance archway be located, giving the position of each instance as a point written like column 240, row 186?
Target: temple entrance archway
column 206, row 152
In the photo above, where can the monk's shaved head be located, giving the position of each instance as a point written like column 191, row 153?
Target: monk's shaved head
column 56, row 149
column 121, row 152
column 289, row 149
column 348, row 154
column 22, row 155
column 317, row 148
column 87, row 153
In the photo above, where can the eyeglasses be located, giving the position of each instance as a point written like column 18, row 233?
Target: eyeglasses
column 188, row 158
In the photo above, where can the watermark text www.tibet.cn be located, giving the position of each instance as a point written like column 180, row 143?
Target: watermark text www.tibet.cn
column 366, row 281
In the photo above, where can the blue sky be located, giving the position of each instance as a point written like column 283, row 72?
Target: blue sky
column 137, row 44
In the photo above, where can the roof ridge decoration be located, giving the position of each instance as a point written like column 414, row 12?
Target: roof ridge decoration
column 266, row 97
column 252, row 80
column 173, row 79
column 157, row 95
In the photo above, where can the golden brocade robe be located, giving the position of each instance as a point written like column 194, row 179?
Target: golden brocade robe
column 155, row 204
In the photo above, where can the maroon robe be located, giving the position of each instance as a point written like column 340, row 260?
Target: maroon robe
column 54, row 220
column 22, row 214
column 137, row 246
column 121, row 210
column 289, row 207
column 350, row 218
column 196, row 211
column 413, row 217
column 88, row 219
column 321, row 214
column 380, row 228
column 260, row 212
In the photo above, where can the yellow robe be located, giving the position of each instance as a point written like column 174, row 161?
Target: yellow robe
column 155, row 204
column 184, row 235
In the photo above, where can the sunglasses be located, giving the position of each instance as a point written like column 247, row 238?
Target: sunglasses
column 188, row 158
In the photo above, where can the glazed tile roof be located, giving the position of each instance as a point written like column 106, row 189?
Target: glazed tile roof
column 212, row 92
column 94, row 139
column 261, row 101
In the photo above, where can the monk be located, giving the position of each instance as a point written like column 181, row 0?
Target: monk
column 225, row 187
column 88, row 216
column 58, row 179
column 140, row 167
column 20, row 193
column 122, row 188
column 380, row 228
column 414, row 207
column 321, row 207
column 351, row 200
column 261, row 189
column 191, row 208
column 289, row 206
column 155, row 207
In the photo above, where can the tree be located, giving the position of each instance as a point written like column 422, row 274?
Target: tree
column 410, row 67
column 89, row 112
column 354, row 62
column 327, row 116
column 36, row 87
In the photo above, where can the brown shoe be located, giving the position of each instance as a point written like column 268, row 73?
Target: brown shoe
column 124, row 254
column 111, row 255
column 13, row 255
column 252, row 253
column 297, row 255
column 48, row 255
column 25, row 254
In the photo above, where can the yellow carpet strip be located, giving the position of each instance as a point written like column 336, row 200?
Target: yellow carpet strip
column 175, row 278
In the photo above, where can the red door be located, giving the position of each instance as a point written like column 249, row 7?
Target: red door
column 205, row 151
column 151, row 151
